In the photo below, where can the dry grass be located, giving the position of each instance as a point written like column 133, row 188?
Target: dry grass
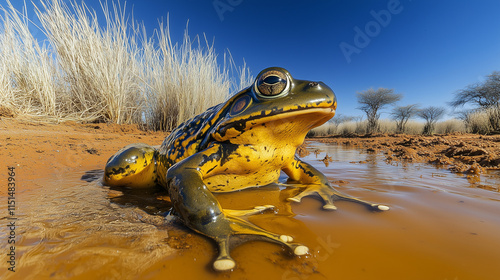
column 98, row 66
column 28, row 82
column 450, row 126
column 386, row 126
column 113, row 73
column 185, row 81
column 483, row 121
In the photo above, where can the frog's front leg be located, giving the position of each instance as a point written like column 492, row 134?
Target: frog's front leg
column 317, row 183
column 200, row 210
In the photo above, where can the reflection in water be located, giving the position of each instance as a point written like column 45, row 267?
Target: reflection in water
column 438, row 228
column 69, row 229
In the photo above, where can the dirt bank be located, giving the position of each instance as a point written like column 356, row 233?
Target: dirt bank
column 460, row 153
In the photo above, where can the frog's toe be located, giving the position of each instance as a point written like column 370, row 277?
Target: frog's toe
column 255, row 210
column 224, row 260
column 296, row 248
column 299, row 197
column 381, row 207
column 329, row 206
column 286, row 238
column 263, row 208
column 328, row 200
column 223, row 264
column 300, row 250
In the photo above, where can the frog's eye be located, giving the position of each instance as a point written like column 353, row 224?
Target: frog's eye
column 272, row 84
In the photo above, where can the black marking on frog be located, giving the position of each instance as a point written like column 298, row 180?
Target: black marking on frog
column 210, row 170
column 212, row 157
column 226, row 149
column 116, row 171
column 299, row 166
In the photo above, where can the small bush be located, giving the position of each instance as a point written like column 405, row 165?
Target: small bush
column 450, row 126
column 479, row 122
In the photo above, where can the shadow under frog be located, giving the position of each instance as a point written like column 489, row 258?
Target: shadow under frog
column 245, row 142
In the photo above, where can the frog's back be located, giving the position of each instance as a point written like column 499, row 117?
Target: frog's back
column 189, row 137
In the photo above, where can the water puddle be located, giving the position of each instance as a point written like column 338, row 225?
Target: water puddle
column 440, row 226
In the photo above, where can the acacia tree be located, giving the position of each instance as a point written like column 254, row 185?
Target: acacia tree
column 372, row 101
column 339, row 118
column 485, row 95
column 336, row 121
column 401, row 114
column 431, row 115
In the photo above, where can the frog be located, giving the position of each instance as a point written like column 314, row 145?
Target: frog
column 245, row 142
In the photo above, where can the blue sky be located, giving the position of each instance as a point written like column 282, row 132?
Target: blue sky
column 426, row 50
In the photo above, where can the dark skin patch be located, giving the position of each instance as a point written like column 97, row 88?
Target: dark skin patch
column 116, row 171
column 212, row 157
column 299, row 166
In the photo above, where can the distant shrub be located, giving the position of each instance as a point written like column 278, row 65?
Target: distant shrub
column 450, row 126
column 478, row 122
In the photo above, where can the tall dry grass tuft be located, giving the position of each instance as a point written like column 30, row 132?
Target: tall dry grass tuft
column 98, row 66
column 112, row 73
column 29, row 82
column 480, row 121
column 450, row 126
column 186, row 80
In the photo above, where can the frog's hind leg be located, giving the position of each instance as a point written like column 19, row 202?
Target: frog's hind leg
column 317, row 183
column 134, row 166
column 242, row 227
column 199, row 209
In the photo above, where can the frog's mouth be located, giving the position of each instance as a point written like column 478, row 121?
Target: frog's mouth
column 311, row 116
column 314, row 117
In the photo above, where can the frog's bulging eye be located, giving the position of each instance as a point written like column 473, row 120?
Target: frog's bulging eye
column 272, row 84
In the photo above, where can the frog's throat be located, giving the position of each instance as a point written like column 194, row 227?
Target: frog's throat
column 323, row 115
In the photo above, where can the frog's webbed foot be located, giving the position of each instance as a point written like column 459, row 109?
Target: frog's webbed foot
column 329, row 195
column 242, row 213
column 242, row 227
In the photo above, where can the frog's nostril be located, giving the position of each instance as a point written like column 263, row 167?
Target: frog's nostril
column 313, row 84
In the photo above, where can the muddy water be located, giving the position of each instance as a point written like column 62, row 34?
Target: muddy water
column 439, row 227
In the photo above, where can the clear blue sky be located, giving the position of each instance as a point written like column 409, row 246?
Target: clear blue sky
column 427, row 50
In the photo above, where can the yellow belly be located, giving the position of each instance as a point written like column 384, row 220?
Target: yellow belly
column 233, row 182
column 248, row 166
